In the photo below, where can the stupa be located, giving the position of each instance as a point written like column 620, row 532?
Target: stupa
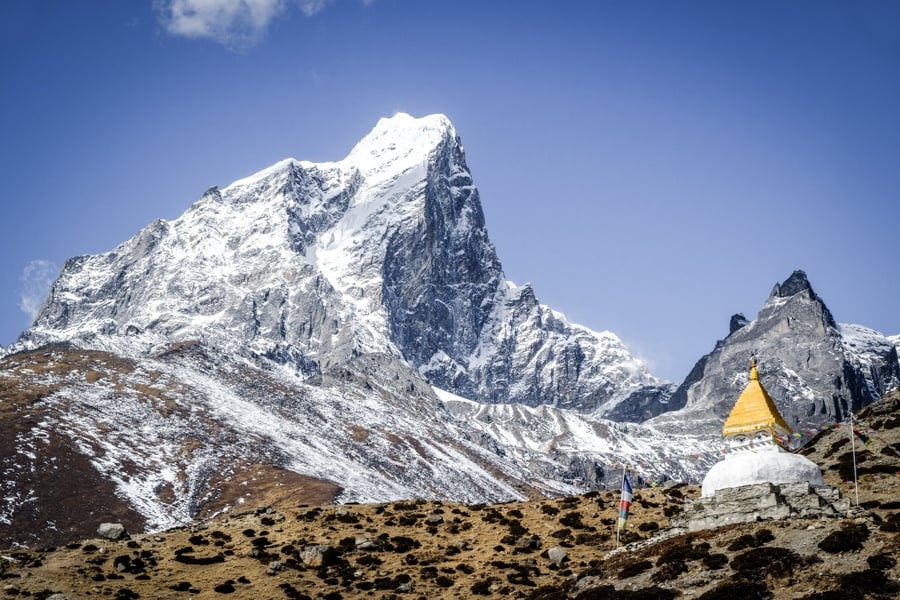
column 755, row 433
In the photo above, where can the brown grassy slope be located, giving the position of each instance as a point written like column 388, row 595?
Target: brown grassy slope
column 420, row 549
column 60, row 485
column 58, row 494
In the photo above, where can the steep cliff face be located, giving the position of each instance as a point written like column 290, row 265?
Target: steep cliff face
column 311, row 264
column 815, row 369
column 895, row 340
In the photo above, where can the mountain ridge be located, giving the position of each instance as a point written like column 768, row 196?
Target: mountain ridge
column 384, row 251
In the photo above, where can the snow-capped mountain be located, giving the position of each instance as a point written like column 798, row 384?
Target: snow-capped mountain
column 349, row 323
column 310, row 264
column 286, row 323
column 815, row 369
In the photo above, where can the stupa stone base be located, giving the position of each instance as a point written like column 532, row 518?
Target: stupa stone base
column 761, row 502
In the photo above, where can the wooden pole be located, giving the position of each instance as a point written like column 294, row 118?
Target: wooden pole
column 621, row 491
column 853, row 449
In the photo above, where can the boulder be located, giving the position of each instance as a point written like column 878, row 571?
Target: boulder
column 316, row 556
column 111, row 531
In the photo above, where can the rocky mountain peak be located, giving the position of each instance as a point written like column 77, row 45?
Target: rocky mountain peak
column 310, row 264
column 399, row 142
column 815, row 370
column 737, row 321
column 794, row 284
column 798, row 286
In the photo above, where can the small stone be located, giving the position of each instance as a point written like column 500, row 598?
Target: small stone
column 314, row 556
column 274, row 567
column 557, row 554
column 528, row 543
column 111, row 531
column 434, row 519
column 366, row 543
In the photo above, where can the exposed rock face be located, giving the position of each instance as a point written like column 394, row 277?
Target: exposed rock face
column 895, row 340
column 815, row 369
column 737, row 321
column 308, row 265
column 645, row 403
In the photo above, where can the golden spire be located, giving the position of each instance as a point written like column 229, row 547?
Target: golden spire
column 754, row 374
column 755, row 410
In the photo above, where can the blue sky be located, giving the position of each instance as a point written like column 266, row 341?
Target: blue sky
column 650, row 167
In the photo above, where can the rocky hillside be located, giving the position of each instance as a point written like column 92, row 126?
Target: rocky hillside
column 161, row 440
column 545, row 549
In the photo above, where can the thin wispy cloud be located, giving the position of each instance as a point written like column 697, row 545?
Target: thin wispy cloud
column 232, row 23
column 36, row 279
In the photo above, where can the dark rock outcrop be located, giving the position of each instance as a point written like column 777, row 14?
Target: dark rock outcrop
column 815, row 369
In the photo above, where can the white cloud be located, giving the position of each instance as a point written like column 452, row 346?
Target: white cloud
column 311, row 7
column 36, row 280
column 232, row 23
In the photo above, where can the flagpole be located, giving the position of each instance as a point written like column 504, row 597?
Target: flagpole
column 621, row 491
column 853, row 449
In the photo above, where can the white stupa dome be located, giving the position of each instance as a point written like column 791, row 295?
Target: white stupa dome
column 772, row 466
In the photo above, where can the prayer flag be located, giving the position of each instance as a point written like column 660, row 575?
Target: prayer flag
column 865, row 439
column 625, row 502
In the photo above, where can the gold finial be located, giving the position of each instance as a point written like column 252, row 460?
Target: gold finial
column 754, row 374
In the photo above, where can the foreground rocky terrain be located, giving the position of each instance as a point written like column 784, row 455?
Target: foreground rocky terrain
column 551, row 548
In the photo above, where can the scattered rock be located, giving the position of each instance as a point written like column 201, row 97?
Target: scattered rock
column 366, row 543
column 111, row 531
column 317, row 556
column 557, row 555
